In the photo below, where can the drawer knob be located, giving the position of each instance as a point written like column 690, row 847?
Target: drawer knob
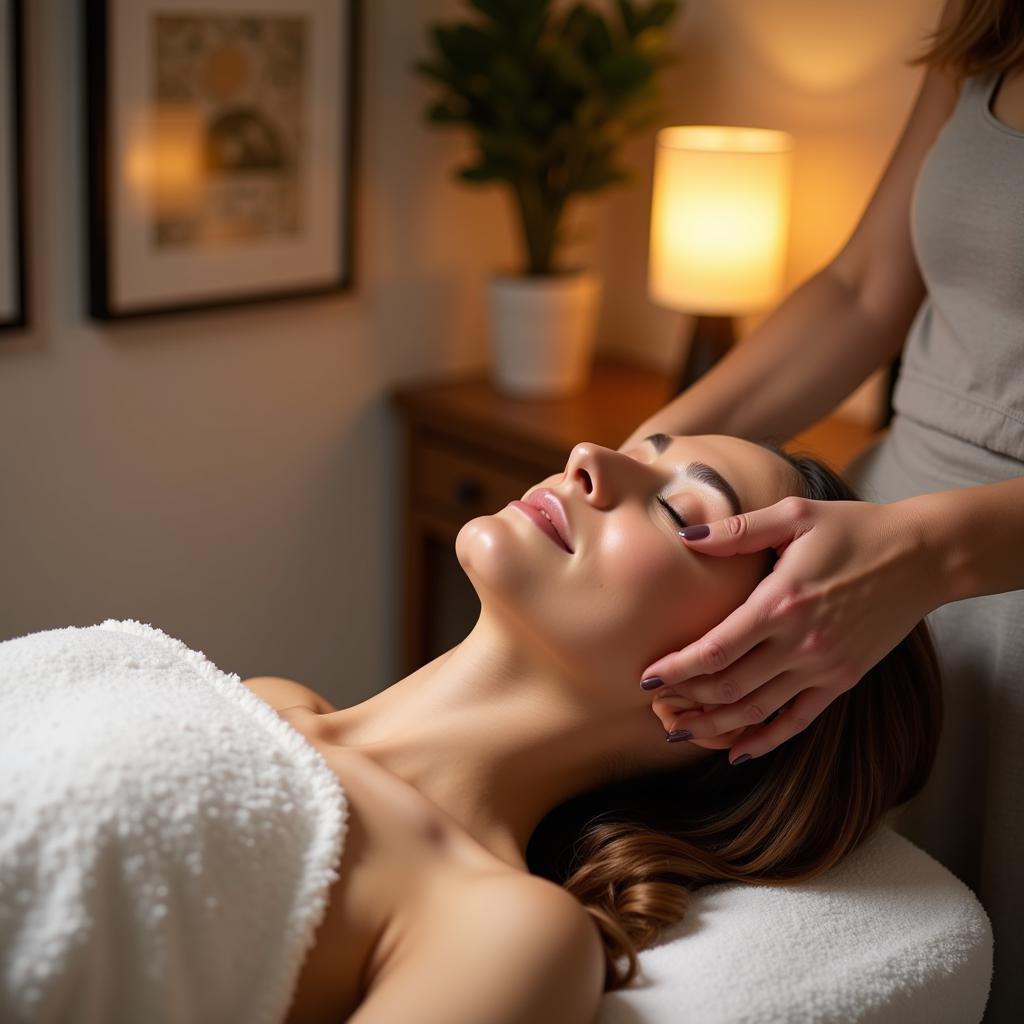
column 468, row 491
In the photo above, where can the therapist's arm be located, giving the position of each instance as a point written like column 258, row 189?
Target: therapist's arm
column 976, row 537
column 803, row 359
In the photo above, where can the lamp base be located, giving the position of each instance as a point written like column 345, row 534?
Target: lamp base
column 711, row 339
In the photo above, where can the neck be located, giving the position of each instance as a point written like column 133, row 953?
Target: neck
column 497, row 735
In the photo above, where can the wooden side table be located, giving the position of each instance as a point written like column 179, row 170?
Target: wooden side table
column 469, row 450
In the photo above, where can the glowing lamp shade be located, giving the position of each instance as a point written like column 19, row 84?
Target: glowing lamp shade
column 719, row 218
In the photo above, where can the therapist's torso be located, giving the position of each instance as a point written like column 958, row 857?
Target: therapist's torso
column 962, row 368
column 959, row 422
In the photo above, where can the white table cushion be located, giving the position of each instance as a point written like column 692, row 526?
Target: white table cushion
column 888, row 935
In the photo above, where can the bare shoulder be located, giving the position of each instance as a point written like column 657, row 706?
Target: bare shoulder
column 550, row 920
column 286, row 693
column 509, row 948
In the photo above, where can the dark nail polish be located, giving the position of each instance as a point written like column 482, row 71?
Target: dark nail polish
column 741, row 759
column 679, row 734
column 696, row 532
column 652, row 682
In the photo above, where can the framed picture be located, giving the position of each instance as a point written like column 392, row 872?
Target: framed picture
column 13, row 287
column 221, row 151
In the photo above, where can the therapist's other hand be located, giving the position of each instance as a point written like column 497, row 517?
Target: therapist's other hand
column 852, row 579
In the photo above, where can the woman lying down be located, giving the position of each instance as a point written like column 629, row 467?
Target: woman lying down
column 510, row 826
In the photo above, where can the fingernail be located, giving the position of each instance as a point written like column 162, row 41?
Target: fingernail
column 696, row 532
column 652, row 682
column 741, row 759
column 679, row 734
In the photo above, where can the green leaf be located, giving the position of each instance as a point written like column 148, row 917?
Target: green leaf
column 480, row 173
column 511, row 78
column 590, row 111
column 509, row 13
column 659, row 13
column 538, row 117
column 497, row 10
column 598, row 172
column 476, row 175
column 574, row 24
column 550, row 98
column 434, row 71
column 639, row 120
column 508, row 150
column 441, row 113
column 623, row 72
column 570, row 69
column 628, row 16
column 467, row 48
column 651, row 44
column 529, row 30
column 597, row 42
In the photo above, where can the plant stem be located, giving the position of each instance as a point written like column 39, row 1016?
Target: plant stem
column 539, row 215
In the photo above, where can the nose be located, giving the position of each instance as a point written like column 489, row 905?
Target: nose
column 601, row 473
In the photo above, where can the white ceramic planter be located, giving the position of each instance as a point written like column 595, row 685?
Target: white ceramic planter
column 543, row 330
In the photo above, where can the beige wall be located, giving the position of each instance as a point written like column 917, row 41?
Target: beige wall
column 231, row 476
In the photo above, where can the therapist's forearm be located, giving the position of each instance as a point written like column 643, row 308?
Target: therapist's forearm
column 806, row 356
column 974, row 537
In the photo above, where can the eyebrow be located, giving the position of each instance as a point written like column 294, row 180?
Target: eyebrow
column 701, row 472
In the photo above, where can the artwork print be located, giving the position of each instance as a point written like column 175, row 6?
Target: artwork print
column 242, row 83
column 220, row 148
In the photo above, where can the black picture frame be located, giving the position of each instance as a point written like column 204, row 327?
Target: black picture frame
column 103, row 178
column 13, row 176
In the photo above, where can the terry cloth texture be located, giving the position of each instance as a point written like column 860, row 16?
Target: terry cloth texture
column 887, row 936
column 167, row 841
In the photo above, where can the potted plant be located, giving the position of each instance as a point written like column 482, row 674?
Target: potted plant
column 551, row 98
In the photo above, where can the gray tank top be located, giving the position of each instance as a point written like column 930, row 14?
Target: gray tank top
column 962, row 370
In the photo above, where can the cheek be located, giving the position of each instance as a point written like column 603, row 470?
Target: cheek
column 668, row 598
column 626, row 588
column 639, row 565
column 635, row 595
column 647, row 587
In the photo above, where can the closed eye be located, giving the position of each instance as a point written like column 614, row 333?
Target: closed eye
column 675, row 516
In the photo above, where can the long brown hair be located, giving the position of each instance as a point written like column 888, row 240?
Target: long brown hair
column 631, row 851
column 981, row 36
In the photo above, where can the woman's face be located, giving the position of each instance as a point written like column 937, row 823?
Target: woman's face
column 631, row 590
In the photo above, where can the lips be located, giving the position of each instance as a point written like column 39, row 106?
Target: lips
column 549, row 505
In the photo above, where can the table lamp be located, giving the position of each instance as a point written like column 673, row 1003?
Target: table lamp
column 719, row 221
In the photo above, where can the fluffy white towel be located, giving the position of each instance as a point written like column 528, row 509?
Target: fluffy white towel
column 888, row 935
column 167, row 841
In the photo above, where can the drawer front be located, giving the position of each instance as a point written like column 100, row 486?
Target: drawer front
column 463, row 486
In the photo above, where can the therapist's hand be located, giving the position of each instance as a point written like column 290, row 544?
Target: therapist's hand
column 852, row 579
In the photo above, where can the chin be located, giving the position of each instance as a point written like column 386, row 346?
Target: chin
column 518, row 580
column 492, row 556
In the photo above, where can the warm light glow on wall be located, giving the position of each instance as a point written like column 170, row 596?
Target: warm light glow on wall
column 831, row 49
column 165, row 164
column 719, row 218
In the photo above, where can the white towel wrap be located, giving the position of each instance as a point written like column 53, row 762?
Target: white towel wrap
column 167, row 841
